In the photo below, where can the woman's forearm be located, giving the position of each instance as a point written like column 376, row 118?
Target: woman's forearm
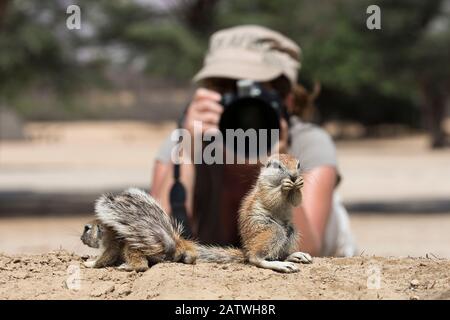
column 311, row 217
column 309, row 240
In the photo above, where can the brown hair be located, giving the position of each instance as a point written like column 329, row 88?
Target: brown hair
column 303, row 105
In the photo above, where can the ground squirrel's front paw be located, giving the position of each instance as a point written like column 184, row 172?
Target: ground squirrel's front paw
column 300, row 257
column 299, row 183
column 89, row 264
column 287, row 185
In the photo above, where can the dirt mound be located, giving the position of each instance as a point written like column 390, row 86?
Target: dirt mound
column 61, row 275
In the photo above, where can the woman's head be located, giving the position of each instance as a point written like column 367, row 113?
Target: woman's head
column 255, row 53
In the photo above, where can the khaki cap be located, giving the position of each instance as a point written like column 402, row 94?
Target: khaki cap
column 250, row 52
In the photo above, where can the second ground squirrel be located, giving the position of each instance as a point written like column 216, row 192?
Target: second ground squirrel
column 137, row 228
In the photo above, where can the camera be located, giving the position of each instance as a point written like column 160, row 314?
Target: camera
column 251, row 106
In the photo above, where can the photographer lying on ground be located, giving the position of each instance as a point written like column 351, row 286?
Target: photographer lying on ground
column 214, row 191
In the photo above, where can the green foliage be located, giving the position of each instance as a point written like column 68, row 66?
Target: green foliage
column 170, row 50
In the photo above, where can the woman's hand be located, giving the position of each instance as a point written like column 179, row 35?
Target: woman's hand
column 204, row 108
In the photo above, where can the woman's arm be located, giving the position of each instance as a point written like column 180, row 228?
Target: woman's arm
column 205, row 109
column 312, row 216
column 161, row 171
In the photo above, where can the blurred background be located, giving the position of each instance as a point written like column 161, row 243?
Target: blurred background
column 83, row 111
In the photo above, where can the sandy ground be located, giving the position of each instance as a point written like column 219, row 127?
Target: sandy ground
column 81, row 156
column 60, row 275
column 43, row 275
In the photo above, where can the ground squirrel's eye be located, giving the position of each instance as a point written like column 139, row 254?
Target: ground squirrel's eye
column 268, row 164
column 276, row 165
column 298, row 165
column 87, row 228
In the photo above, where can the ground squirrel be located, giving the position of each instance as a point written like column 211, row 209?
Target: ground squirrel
column 132, row 230
column 139, row 229
column 115, row 249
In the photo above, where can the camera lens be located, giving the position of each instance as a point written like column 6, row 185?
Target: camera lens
column 249, row 113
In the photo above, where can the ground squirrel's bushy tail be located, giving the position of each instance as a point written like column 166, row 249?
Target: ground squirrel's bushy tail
column 140, row 220
column 219, row 254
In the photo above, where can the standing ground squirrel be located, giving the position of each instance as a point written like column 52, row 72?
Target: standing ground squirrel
column 138, row 229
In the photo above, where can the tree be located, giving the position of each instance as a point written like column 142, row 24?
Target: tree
column 414, row 48
column 407, row 60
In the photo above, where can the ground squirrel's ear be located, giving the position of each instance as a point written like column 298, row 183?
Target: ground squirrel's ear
column 268, row 163
column 100, row 231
